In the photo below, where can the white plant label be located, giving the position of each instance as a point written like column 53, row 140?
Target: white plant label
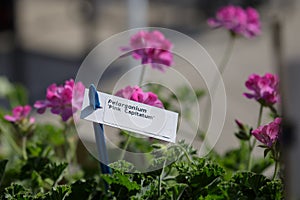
column 132, row 116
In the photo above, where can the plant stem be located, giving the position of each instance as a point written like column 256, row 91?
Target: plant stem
column 260, row 115
column 66, row 146
column 184, row 152
column 251, row 146
column 125, row 147
column 161, row 177
column 142, row 75
column 223, row 63
column 215, row 83
column 275, row 170
column 24, row 141
column 258, row 122
column 249, row 164
column 227, row 54
column 129, row 136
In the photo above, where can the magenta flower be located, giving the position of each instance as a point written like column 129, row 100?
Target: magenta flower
column 268, row 134
column 59, row 99
column 239, row 21
column 137, row 94
column 20, row 114
column 264, row 88
column 151, row 48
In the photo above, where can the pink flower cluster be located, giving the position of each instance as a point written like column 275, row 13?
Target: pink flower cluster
column 137, row 94
column 240, row 21
column 152, row 48
column 268, row 134
column 20, row 114
column 59, row 99
column 264, row 88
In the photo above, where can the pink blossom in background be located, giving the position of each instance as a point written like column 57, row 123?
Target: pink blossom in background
column 59, row 99
column 264, row 88
column 268, row 134
column 151, row 48
column 19, row 114
column 137, row 94
column 253, row 23
column 240, row 21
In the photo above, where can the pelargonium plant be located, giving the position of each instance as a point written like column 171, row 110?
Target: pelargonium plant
column 264, row 89
column 45, row 168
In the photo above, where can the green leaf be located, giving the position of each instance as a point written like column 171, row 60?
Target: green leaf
column 266, row 151
column 122, row 166
column 158, row 146
column 16, row 192
column 212, row 197
column 36, row 180
column 54, row 171
column 242, row 135
column 263, row 146
column 249, row 183
column 38, row 149
column 58, row 193
column 272, row 190
column 148, row 190
column 201, row 176
column 174, row 191
column 37, row 164
column 2, row 169
column 82, row 189
column 121, row 179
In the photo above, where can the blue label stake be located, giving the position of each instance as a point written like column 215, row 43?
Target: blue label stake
column 99, row 132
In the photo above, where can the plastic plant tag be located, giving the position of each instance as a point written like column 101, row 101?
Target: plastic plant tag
column 132, row 116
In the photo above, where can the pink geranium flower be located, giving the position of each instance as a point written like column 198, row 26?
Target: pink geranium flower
column 20, row 114
column 264, row 88
column 268, row 134
column 151, row 48
column 59, row 99
column 137, row 94
column 239, row 21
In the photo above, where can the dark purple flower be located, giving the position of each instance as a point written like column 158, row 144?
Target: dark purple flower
column 268, row 134
column 264, row 88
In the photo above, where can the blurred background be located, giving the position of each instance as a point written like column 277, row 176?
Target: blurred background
column 42, row 42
